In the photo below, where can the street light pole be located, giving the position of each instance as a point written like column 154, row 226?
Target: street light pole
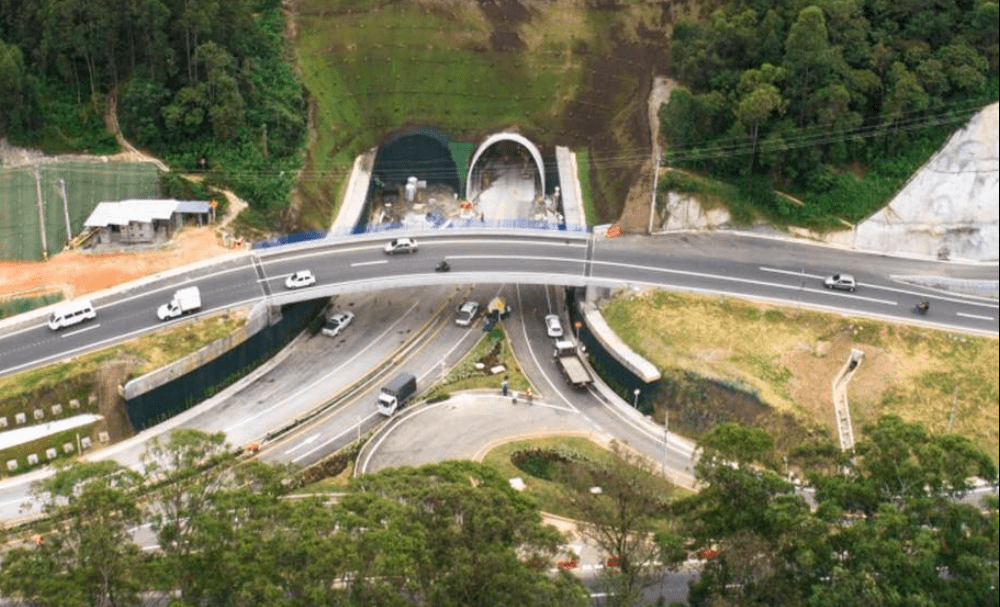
column 666, row 435
column 635, row 401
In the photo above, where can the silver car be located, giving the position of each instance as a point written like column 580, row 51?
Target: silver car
column 844, row 282
column 401, row 245
column 337, row 323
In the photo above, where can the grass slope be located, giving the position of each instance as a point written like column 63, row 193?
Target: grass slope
column 549, row 70
column 788, row 358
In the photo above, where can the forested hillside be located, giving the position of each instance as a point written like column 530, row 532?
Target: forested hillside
column 835, row 103
column 816, row 98
column 203, row 84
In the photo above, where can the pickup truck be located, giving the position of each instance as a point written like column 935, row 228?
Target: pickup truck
column 185, row 300
column 571, row 364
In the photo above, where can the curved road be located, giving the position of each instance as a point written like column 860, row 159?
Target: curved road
column 717, row 263
column 359, row 270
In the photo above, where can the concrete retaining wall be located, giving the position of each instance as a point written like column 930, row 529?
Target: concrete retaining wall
column 598, row 327
column 569, row 179
column 258, row 319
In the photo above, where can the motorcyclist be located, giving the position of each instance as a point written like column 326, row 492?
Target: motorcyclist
column 923, row 306
column 443, row 266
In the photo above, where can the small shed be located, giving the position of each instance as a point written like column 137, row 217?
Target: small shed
column 144, row 221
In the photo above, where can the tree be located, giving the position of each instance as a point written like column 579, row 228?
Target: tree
column 85, row 554
column 808, row 56
column 187, row 473
column 757, row 106
column 898, row 462
column 906, row 96
column 623, row 519
column 452, row 534
column 18, row 94
column 886, row 531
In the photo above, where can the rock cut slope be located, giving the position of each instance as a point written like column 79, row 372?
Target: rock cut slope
column 949, row 208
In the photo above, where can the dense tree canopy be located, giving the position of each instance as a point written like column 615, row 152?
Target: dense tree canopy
column 449, row 535
column 793, row 92
column 203, row 83
column 887, row 528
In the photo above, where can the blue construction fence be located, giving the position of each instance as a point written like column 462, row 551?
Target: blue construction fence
column 289, row 239
column 433, row 222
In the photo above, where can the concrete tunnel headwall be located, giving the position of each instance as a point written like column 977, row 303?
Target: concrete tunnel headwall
column 424, row 153
column 471, row 189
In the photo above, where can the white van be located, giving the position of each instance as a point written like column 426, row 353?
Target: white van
column 72, row 314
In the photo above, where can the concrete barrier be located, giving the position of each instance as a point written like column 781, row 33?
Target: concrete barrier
column 258, row 318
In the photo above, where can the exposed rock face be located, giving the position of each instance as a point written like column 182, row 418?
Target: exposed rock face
column 685, row 213
column 949, row 208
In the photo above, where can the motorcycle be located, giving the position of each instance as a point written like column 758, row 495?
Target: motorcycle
column 442, row 267
column 921, row 308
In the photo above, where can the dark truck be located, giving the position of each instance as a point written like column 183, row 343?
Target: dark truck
column 396, row 393
column 571, row 363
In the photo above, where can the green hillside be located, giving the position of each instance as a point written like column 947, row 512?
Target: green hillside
column 559, row 72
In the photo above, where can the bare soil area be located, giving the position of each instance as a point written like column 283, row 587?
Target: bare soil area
column 76, row 273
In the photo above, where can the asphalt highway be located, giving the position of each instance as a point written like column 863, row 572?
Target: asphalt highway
column 787, row 272
column 324, row 394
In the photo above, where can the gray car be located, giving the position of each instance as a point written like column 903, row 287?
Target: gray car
column 844, row 282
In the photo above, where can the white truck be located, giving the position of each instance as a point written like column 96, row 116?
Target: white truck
column 396, row 393
column 185, row 300
column 571, row 363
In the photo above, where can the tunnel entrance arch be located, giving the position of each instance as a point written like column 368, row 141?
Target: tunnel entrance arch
column 473, row 182
column 423, row 153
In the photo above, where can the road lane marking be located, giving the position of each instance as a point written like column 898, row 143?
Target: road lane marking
column 369, row 263
column 742, row 280
column 792, row 273
column 917, row 290
column 353, row 428
column 303, row 443
column 976, row 316
column 283, row 256
column 322, row 378
column 84, row 330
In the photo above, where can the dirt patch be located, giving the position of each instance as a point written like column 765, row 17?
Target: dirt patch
column 111, row 406
column 635, row 214
column 610, row 114
column 76, row 273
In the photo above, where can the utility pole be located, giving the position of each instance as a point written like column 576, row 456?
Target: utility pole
column 69, row 229
column 41, row 214
column 652, row 202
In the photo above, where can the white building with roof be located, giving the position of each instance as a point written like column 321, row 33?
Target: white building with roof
column 143, row 221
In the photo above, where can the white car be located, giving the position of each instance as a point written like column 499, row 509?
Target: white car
column 401, row 245
column 300, row 279
column 552, row 326
column 467, row 313
column 336, row 323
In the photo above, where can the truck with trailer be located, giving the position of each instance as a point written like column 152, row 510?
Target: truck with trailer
column 571, row 364
column 395, row 394
column 185, row 300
